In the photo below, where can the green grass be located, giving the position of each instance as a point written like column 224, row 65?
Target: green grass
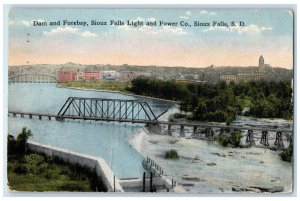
column 100, row 85
column 35, row 172
column 37, row 183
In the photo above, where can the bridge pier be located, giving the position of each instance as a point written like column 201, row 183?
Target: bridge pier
column 279, row 142
column 195, row 130
column 49, row 117
column 14, row 114
column 264, row 138
column 169, row 130
column 222, row 131
column 22, row 115
column 182, row 134
column 40, row 117
column 209, row 132
column 30, row 116
column 250, row 137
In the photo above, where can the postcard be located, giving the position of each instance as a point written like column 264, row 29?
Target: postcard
column 163, row 101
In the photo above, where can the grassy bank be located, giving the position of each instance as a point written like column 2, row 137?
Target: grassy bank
column 99, row 85
column 28, row 171
column 35, row 172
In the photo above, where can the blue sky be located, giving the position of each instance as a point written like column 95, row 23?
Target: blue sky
column 267, row 31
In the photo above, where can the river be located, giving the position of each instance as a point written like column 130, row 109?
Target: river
column 204, row 166
column 107, row 140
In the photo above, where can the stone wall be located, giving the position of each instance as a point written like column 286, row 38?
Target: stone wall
column 104, row 172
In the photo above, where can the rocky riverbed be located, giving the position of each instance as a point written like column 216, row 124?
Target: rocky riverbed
column 207, row 167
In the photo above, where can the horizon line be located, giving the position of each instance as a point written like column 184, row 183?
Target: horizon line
column 147, row 65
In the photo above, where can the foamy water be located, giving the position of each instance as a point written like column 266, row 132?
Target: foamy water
column 207, row 167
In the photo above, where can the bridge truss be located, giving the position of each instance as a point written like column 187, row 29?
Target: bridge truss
column 107, row 110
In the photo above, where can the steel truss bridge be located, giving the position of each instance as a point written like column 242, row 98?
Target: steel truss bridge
column 107, row 110
column 134, row 111
column 32, row 78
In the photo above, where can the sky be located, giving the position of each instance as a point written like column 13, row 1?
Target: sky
column 267, row 32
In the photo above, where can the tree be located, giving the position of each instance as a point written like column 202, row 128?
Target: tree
column 11, row 144
column 200, row 111
column 22, row 140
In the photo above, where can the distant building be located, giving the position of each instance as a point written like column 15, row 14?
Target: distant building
column 67, row 76
column 80, row 76
column 109, row 75
column 190, row 81
column 241, row 77
column 92, row 75
column 261, row 64
column 254, row 76
column 228, row 77
column 250, row 77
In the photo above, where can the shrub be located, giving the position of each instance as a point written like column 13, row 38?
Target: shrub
column 223, row 140
column 172, row 154
column 34, row 159
column 287, row 154
column 179, row 115
column 22, row 140
column 35, row 163
column 21, row 168
column 64, row 170
column 235, row 138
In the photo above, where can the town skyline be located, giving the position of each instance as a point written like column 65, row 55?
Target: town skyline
column 153, row 65
column 168, row 46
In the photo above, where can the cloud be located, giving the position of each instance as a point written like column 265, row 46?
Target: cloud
column 205, row 12
column 87, row 34
column 266, row 28
column 60, row 30
column 26, row 23
column 252, row 29
column 148, row 30
column 138, row 19
column 69, row 30
column 188, row 13
column 151, row 19
column 225, row 29
column 124, row 27
column 177, row 30
column 163, row 30
column 184, row 17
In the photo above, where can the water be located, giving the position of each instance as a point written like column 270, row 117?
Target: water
column 216, row 169
column 107, row 140
column 234, row 167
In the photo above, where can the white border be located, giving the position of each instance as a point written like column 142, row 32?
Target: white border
column 150, row 4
